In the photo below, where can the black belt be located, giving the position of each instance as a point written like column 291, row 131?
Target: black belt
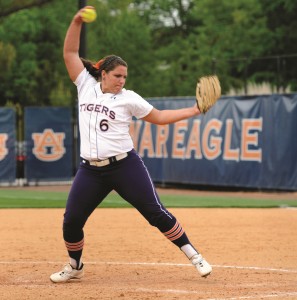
column 105, row 162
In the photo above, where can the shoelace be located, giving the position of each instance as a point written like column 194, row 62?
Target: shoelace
column 199, row 262
column 65, row 270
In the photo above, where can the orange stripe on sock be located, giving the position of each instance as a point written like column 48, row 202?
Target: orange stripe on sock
column 177, row 236
column 75, row 246
column 175, row 232
column 172, row 229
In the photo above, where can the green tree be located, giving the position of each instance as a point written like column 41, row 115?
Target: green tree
column 168, row 44
column 171, row 23
column 37, row 72
column 232, row 33
column 8, row 7
column 198, row 37
column 282, row 24
column 7, row 57
column 122, row 32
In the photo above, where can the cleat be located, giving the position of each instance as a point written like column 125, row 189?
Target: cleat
column 203, row 267
column 67, row 274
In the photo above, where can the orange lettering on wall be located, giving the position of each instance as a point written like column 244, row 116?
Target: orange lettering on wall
column 194, row 141
column 179, row 139
column 134, row 131
column 211, row 145
column 161, row 139
column 251, row 139
column 146, row 142
column 229, row 154
column 3, row 148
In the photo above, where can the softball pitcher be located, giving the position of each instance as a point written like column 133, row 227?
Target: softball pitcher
column 108, row 160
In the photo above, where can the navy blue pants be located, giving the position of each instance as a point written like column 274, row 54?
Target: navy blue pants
column 129, row 177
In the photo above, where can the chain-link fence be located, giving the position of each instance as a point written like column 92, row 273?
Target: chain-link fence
column 260, row 75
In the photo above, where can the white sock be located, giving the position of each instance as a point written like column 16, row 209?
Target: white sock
column 188, row 250
column 73, row 263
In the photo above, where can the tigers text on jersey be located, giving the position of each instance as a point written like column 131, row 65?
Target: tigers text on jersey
column 104, row 118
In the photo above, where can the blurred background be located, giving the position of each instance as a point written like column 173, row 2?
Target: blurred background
column 168, row 44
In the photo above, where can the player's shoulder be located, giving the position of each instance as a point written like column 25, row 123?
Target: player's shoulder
column 130, row 94
column 84, row 77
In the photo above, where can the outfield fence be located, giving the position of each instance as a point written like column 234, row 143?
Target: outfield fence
column 242, row 142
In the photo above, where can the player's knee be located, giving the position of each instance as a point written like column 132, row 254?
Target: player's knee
column 153, row 221
column 72, row 227
column 73, row 220
column 72, row 231
column 161, row 221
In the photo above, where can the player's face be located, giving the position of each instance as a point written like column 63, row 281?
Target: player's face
column 114, row 81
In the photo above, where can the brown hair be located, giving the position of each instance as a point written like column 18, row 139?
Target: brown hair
column 107, row 63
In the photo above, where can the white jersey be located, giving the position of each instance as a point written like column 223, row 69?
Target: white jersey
column 104, row 119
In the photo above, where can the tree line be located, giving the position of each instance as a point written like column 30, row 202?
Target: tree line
column 167, row 44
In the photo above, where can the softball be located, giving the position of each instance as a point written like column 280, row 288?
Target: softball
column 88, row 15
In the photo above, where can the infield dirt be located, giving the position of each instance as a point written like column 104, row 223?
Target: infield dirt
column 253, row 253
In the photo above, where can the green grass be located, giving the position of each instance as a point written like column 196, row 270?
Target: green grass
column 10, row 198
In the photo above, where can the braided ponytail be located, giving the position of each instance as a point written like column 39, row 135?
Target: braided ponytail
column 89, row 65
column 108, row 63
